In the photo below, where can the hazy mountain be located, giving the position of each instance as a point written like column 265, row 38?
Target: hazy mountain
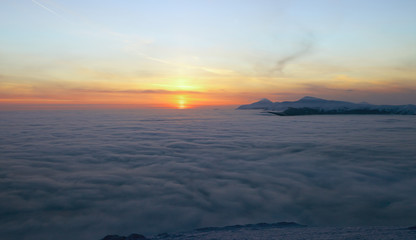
column 311, row 105
column 262, row 104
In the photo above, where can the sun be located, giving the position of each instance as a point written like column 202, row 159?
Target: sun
column 181, row 102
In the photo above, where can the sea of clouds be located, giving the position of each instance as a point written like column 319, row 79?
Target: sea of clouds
column 85, row 174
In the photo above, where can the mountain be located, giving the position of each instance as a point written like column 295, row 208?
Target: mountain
column 312, row 106
column 262, row 104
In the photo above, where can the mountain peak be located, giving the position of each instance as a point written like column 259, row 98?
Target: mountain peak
column 262, row 104
column 309, row 98
column 265, row 100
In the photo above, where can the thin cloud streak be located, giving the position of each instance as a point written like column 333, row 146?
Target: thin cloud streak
column 146, row 91
column 305, row 48
column 50, row 10
column 126, row 39
column 46, row 8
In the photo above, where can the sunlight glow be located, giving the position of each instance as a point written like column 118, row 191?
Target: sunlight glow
column 181, row 102
column 97, row 59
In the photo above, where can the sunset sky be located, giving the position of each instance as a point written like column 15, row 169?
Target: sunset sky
column 191, row 53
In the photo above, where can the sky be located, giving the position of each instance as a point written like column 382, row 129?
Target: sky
column 184, row 54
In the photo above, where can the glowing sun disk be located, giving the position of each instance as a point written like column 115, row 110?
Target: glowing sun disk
column 181, row 102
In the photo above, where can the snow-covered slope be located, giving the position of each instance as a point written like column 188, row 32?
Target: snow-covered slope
column 311, row 105
column 283, row 230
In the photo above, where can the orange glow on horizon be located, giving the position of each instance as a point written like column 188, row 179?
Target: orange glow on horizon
column 62, row 98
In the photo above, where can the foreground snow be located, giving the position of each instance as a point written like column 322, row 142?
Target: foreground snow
column 285, row 231
column 312, row 105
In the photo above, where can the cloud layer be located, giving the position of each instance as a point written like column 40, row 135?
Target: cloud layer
column 85, row 174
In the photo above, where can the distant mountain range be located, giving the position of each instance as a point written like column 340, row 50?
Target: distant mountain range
column 312, row 106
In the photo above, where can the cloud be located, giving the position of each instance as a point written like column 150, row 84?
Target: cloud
column 86, row 174
column 43, row 6
column 46, row 8
column 305, row 48
column 146, row 91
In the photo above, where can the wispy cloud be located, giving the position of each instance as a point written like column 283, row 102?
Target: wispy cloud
column 133, row 43
column 132, row 47
column 46, row 8
column 130, row 91
column 305, row 48
column 50, row 10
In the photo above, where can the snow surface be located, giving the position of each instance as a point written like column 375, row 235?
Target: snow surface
column 297, row 233
column 289, row 231
column 327, row 105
